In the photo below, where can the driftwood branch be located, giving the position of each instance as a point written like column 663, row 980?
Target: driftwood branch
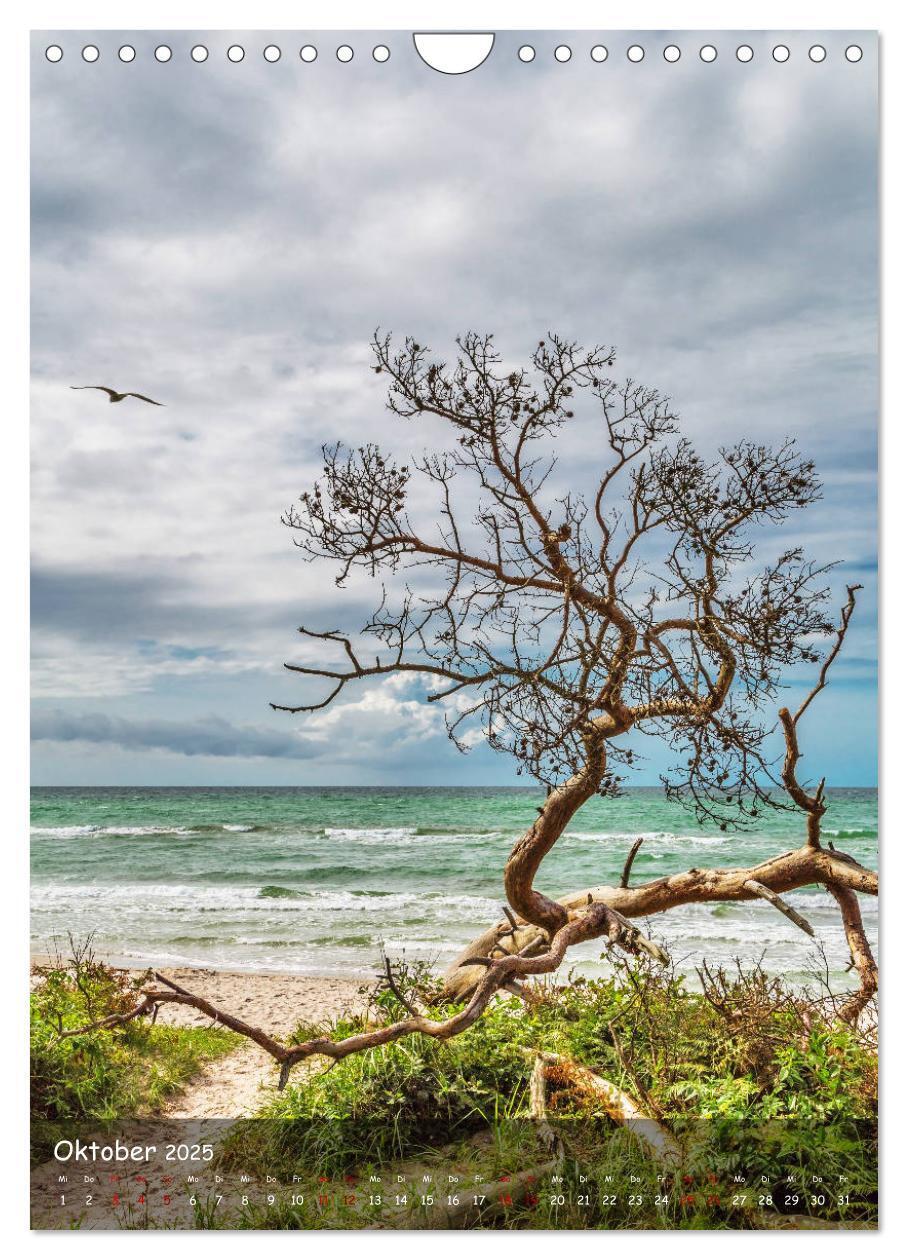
column 510, row 918
column 539, row 1109
column 754, row 886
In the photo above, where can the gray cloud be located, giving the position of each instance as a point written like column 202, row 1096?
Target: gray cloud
column 208, row 737
column 144, row 603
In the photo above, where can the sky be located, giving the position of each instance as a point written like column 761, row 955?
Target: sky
column 226, row 238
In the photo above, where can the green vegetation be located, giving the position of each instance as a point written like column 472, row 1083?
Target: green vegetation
column 102, row 1076
column 751, row 1078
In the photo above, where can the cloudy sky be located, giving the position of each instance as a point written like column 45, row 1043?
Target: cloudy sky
column 226, row 237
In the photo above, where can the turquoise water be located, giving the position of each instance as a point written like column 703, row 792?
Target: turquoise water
column 316, row 879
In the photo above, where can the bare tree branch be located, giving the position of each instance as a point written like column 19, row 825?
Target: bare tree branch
column 753, row 885
column 629, row 862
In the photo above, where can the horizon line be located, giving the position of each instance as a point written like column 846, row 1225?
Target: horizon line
column 321, row 787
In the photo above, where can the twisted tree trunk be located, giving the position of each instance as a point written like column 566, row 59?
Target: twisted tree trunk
column 528, row 853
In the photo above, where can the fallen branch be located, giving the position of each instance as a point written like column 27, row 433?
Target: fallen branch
column 173, row 994
column 538, row 1109
column 510, row 918
column 775, row 900
column 518, row 990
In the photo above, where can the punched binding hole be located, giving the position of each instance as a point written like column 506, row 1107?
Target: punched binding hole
column 745, row 53
column 817, row 53
column 199, row 53
column 453, row 52
column 635, row 53
column 672, row 53
column 708, row 53
column 781, row 53
column 854, row 52
column 526, row 53
column 126, row 53
column 599, row 53
column 562, row 53
column 272, row 53
column 90, row 53
column 53, row 53
column 236, row 53
column 345, row 53
column 162, row 53
column 308, row 53
column 381, row 52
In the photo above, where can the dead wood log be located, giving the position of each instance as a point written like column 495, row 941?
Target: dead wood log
column 539, row 1109
column 624, row 1110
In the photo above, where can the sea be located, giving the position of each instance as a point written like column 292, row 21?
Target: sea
column 321, row 880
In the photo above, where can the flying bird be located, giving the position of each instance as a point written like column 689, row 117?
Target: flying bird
column 115, row 397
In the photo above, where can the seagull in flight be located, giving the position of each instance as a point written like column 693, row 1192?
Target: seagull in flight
column 113, row 396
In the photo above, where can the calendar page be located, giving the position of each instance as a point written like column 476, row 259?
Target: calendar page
column 454, row 630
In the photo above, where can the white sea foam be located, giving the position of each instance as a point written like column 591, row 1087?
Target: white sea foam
column 628, row 837
column 73, row 833
column 138, row 899
column 148, row 829
column 406, row 837
column 384, row 836
column 356, row 833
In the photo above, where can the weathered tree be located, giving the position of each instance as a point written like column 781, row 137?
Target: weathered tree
column 552, row 625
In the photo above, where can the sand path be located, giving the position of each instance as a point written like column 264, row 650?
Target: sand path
column 239, row 1083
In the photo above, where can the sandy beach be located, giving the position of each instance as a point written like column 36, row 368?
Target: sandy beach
column 274, row 1001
